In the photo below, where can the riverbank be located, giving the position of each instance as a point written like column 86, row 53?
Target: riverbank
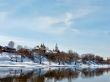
column 9, row 61
column 45, row 64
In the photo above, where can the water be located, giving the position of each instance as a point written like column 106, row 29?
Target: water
column 8, row 74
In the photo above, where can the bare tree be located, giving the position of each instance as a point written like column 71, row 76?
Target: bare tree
column 99, row 59
column 59, row 57
column 73, row 56
column 24, row 53
column 108, row 60
column 40, row 52
column 1, row 50
column 87, row 57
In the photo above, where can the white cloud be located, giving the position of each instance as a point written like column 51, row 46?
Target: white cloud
column 51, row 25
column 83, row 12
column 46, row 24
column 68, row 18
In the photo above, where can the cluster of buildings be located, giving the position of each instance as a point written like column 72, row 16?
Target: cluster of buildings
column 10, row 48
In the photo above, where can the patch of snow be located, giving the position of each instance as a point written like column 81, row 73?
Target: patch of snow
column 28, row 63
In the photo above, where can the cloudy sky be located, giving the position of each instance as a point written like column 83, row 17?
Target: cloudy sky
column 80, row 25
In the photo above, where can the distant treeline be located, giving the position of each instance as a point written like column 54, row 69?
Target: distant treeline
column 60, row 57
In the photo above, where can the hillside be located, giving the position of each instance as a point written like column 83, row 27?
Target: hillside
column 9, row 60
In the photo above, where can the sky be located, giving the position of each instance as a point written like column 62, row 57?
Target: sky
column 80, row 25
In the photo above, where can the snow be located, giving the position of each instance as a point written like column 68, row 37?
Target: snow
column 27, row 63
column 13, row 68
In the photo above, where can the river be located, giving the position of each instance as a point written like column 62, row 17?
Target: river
column 13, row 74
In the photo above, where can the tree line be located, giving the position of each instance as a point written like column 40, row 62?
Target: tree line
column 57, row 56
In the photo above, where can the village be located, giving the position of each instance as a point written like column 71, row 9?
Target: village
column 43, row 56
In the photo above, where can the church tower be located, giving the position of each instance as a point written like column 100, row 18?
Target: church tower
column 56, row 48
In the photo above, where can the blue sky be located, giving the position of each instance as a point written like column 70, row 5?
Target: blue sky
column 80, row 25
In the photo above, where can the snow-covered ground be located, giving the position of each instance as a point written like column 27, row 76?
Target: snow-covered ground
column 27, row 63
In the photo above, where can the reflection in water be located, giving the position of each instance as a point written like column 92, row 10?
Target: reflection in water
column 60, row 74
column 42, row 75
column 87, row 73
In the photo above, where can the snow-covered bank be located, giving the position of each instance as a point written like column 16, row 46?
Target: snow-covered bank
column 27, row 63
column 36, row 65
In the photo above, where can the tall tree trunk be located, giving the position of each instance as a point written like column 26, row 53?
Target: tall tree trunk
column 40, row 59
column 58, row 62
column 16, row 59
column 63, row 63
column 21, row 59
column 75, row 62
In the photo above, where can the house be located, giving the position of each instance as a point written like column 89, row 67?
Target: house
column 10, row 50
